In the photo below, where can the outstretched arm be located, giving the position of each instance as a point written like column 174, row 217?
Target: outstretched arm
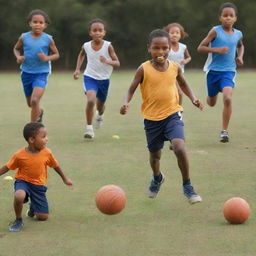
column 204, row 45
column 138, row 78
column 67, row 181
column 188, row 91
column 79, row 62
column 3, row 170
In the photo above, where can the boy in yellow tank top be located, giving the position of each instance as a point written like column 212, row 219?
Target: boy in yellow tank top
column 161, row 110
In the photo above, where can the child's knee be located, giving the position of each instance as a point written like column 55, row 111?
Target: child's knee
column 20, row 195
column 42, row 216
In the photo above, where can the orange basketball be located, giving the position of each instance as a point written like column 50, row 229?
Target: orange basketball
column 110, row 199
column 236, row 210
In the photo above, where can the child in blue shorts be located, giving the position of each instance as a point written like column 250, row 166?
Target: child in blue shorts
column 225, row 49
column 31, row 176
column 101, row 58
column 35, row 46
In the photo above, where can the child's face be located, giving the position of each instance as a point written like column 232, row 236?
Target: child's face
column 228, row 17
column 37, row 24
column 159, row 49
column 175, row 34
column 40, row 140
column 97, row 31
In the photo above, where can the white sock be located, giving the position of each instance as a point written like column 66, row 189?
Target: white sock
column 89, row 127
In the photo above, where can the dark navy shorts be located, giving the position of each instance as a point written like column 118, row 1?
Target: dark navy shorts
column 99, row 86
column 30, row 81
column 157, row 132
column 36, row 193
column 217, row 80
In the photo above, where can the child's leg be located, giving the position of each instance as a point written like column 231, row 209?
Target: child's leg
column 19, row 197
column 154, row 159
column 91, row 101
column 182, row 158
column 227, row 108
column 211, row 101
column 34, row 102
column 100, row 105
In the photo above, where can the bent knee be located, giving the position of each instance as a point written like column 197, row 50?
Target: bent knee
column 42, row 216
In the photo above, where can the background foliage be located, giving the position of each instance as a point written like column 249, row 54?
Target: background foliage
column 129, row 23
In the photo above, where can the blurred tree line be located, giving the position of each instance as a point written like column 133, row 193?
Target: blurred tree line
column 128, row 24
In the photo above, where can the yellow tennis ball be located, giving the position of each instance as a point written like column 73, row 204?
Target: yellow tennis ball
column 8, row 178
column 116, row 137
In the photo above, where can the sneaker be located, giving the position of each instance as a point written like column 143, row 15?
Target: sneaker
column 224, row 136
column 192, row 196
column 30, row 213
column 16, row 226
column 154, row 187
column 89, row 134
column 40, row 117
column 98, row 120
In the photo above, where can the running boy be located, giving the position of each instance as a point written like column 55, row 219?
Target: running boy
column 161, row 110
column 32, row 162
column 101, row 58
column 32, row 52
column 225, row 49
column 179, row 51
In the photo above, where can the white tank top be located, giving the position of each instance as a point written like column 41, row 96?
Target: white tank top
column 95, row 68
column 178, row 56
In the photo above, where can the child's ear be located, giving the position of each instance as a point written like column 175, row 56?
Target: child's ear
column 31, row 140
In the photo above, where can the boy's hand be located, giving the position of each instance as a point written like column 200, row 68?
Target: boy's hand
column 43, row 57
column 20, row 59
column 68, row 182
column 239, row 61
column 76, row 74
column 198, row 104
column 223, row 50
column 103, row 59
column 124, row 109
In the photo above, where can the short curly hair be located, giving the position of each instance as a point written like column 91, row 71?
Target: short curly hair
column 38, row 12
column 183, row 33
column 31, row 129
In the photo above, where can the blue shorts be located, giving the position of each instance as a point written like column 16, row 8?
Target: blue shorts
column 30, row 81
column 217, row 80
column 36, row 193
column 99, row 86
column 157, row 132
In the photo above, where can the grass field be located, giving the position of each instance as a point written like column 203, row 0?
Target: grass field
column 165, row 226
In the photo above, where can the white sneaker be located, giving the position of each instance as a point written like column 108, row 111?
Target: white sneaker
column 98, row 121
column 89, row 134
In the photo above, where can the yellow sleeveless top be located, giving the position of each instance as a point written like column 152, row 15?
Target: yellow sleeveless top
column 159, row 93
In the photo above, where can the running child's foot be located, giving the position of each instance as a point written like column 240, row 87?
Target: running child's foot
column 89, row 134
column 40, row 117
column 98, row 120
column 192, row 196
column 224, row 136
column 16, row 226
column 154, row 186
column 30, row 212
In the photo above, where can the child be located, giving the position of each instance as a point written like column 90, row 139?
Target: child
column 32, row 162
column 101, row 58
column 161, row 110
column 178, row 52
column 32, row 51
column 225, row 48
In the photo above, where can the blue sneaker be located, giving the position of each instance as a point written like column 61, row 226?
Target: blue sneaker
column 224, row 136
column 16, row 226
column 30, row 213
column 192, row 196
column 155, row 187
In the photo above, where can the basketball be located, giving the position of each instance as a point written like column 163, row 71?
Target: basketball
column 236, row 210
column 110, row 199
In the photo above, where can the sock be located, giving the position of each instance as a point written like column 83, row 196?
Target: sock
column 186, row 182
column 158, row 178
column 89, row 127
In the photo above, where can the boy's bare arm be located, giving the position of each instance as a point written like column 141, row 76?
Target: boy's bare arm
column 17, row 50
column 3, row 170
column 114, row 61
column 54, row 53
column 79, row 62
column 63, row 176
column 240, row 53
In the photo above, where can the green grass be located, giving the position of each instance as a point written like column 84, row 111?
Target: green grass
column 165, row 226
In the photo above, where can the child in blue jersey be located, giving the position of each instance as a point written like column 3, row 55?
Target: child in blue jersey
column 35, row 50
column 225, row 49
column 101, row 58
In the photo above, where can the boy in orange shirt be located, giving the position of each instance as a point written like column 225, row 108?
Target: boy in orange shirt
column 161, row 110
column 31, row 176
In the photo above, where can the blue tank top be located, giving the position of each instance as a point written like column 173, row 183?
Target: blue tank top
column 33, row 46
column 223, row 62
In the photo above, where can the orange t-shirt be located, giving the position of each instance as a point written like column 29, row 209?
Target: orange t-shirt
column 32, row 167
column 159, row 92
